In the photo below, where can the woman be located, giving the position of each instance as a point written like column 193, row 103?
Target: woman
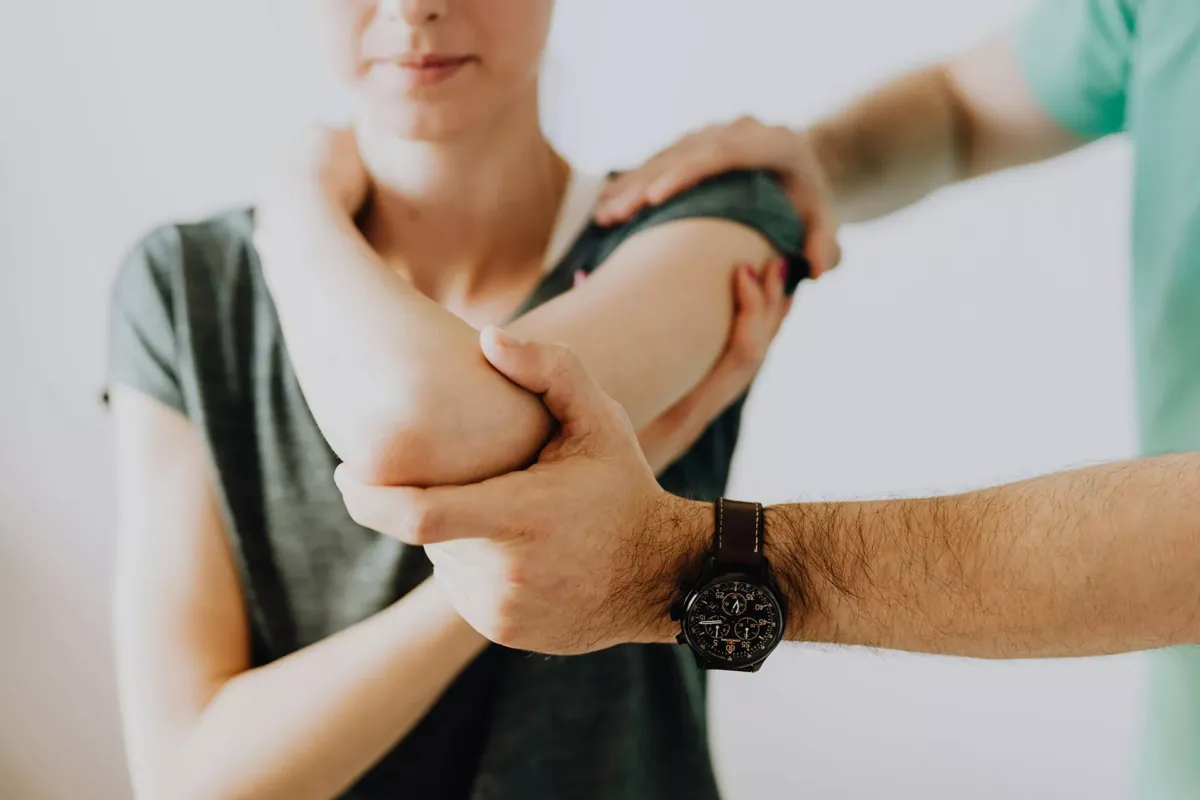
column 267, row 645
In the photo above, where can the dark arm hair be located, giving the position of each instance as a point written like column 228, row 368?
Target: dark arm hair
column 1090, row 562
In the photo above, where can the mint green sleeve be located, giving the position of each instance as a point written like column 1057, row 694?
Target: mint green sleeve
column 1076, row 56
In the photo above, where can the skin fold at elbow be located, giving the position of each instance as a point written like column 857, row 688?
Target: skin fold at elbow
column 447, row 445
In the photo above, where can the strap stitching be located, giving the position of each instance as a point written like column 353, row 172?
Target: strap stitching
column 720, row 521
column 757, row 529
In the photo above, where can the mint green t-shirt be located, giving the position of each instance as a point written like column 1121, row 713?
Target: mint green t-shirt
column 1102, row 67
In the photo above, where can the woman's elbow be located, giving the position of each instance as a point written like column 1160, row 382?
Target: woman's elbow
column 397, row 454
column 438, row 453
column 381, row 436
column 444, row 435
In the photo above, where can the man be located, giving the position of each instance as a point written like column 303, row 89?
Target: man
column 1072, row 71
column 584, row 550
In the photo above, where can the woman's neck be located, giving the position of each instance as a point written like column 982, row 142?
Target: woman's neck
column 455, row 215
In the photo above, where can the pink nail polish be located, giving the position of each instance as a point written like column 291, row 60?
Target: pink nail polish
column 782, row 266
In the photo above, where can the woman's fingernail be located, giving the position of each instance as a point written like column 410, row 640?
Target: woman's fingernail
column 781, row 267
column 506, row 339
column 580, row 277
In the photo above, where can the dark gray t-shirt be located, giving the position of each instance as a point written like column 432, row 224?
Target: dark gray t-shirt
column 193, row 326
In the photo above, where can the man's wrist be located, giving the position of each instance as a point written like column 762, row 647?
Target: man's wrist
column 678, row 534
column 682, row 532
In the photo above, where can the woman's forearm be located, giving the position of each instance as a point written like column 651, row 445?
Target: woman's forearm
column 388, row 373
column 310, row 724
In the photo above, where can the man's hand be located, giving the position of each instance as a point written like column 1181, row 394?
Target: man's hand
column 580, row 552
column 744, row 144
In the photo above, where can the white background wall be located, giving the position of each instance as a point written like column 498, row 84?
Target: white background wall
column 978, row 337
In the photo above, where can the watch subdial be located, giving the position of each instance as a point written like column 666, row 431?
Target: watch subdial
column 747, row 629
column 734, row 604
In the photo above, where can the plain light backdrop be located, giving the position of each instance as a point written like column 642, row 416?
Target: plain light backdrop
column 979, row 337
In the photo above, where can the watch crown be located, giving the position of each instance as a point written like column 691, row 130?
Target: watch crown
column 681, row 639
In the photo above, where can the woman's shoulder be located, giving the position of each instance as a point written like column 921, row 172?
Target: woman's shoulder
column 175, row 265
column 748, row 197
column 215, row 246
column 180, row 284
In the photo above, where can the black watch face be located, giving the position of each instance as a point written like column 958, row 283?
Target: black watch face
column 734, row 622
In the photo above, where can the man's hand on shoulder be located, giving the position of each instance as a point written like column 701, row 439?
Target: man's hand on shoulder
column 743, row 144
column 579, row 552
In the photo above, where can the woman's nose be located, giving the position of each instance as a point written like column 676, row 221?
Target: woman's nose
column 414, row 12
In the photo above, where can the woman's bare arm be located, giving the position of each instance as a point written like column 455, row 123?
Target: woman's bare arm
column 199, row 721
column 397, row 382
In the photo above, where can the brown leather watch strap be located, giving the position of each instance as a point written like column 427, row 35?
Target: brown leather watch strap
column 738, row 536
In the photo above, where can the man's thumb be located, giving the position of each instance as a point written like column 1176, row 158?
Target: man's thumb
column 551, row 371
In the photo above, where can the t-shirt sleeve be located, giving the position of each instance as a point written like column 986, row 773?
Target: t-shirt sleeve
column 1076, row 57
column 754, row 199
column 142, row 351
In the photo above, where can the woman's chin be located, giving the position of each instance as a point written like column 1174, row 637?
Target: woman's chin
column 423, row 125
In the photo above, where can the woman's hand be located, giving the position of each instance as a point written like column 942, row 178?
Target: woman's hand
column 761, row 309
column 322, row 165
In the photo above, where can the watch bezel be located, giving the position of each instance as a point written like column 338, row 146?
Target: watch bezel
column 708, row 581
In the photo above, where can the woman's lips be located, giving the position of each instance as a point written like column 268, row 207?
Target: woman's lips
column 426, row 70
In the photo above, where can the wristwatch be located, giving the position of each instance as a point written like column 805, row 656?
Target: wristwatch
column 733, row 616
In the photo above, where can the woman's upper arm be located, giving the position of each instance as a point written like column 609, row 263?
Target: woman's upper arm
column 654, row 320
column 179, row 622
column 651, row 323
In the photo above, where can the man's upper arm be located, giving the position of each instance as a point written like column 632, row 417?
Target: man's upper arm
column 1075, row 56
column 1056, row 81
column 1000, row 122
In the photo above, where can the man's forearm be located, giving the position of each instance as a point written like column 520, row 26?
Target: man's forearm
column 1090, row 562
column 893, row 146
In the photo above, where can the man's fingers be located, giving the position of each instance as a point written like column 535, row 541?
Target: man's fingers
column 683, row 176
column 626, row 183
column 429, row 516
column 627, row 198
column 553, row 372
column 742, row 144
column 677, row 172
column 675, row 169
